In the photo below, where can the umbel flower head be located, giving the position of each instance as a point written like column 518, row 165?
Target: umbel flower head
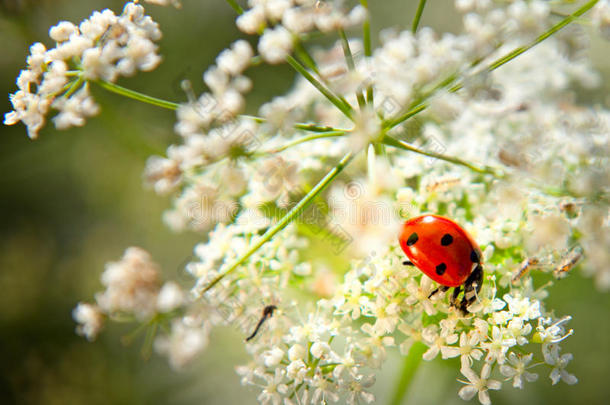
column 470, row 125
column 102, row 47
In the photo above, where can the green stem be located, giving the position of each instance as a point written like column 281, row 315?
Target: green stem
column 236, row 6
column 286, row 219
column 518, row 51
column 149, row 340
column 298, row 125
column 413, row 111
column 418, row 13
column 346, row 109
column 319, row 135
column 115, row 88
column 419, row 104
column 307, row 59
column 310, row 63
column 368, row 50
column 411, row 362
column 350, row 64
column 388, row 140
column 317, row 128
column 75, row 86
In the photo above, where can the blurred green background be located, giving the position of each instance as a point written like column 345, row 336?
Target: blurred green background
column 73, row 200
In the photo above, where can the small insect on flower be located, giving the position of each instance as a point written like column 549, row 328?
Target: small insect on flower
column 446, row 253
column 267, row 313
column 442, row 184
column 568, row 263
column 525, row 267
column 571, row 208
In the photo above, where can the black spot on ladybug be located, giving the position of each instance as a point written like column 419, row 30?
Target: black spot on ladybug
column 446, row 240
column 474, row 256
column 412, row 239
column 440, row 269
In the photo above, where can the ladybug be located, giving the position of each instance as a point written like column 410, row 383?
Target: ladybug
column 446, row 253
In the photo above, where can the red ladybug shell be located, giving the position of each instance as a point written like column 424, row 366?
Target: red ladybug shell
column 440, row 248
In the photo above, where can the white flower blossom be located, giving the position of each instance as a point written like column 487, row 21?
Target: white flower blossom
column 478, row 385
column 90, row 320
column 516, row 369
column 183, row 344
column 559, row 362
column 132, row 285
column 275, row 44
column 170, row 297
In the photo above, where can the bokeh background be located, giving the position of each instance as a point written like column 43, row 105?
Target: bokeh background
column 73, row 200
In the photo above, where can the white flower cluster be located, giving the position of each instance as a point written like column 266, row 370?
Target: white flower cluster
column 212, row 132
column 281, row 21
column 237, row 299
column 133, row 289
column 331, row 353
column 102, row 47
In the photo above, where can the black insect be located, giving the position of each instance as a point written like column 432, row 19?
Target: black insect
column 267, row 313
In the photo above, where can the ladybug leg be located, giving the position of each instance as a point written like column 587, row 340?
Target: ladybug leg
column 454, row 296
column 472, row 286
column 408, row 263
column 441, row 289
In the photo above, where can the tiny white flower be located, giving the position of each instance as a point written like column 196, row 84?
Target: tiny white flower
column 275, row 44
column 516, row 369
column 252, row 21
column 319, row 349
column 132, row 285
column 559, row 363
column 236, row 59
column 183, row 344
column 62, row 31
column 523, row 307
column 350, row 301
column 467, row 349
column 74, row 110
column 357, row 390
column 477, row 384
column 90, row 320
column 420, row 293
column 274, row 389
column 518, row 329
column 170, row 297
column 297, row 370
column 552, row 334
column 297, row 352
column 374, row 346
column 498, row 345
column 298, row 20
column 436, row 341
column 324, row 390
column 273, row 357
